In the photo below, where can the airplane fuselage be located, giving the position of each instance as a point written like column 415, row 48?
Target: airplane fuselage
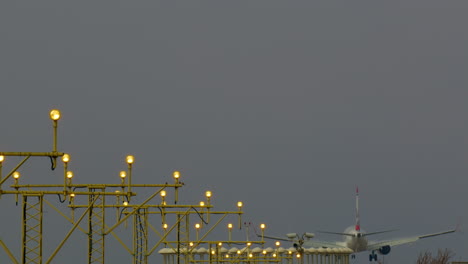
column 358, row 242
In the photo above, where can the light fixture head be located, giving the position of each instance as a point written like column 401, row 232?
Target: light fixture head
column 16, row 175
column 54, row 114
column 230, row 226
column 176, row 175
column 240, row 204
column 130, row 159
column 208, row 194
column 65, row 158
column 163, row 193
column 262, row 226
column 2, row 158
column 123, row 174
column 202, row 203
column 69, row 174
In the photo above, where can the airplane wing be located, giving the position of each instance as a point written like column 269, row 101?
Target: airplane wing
column 396, row 242
column 325, row 244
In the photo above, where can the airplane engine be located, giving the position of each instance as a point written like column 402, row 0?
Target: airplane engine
column 384, row 250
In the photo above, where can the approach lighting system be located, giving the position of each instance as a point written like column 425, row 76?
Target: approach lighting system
column 163, row 193
column 130, row 159
column 208, row 194
column 197, row 226
column 277, row 243
column 202, row 203
column 262, row 226
column 69, row 174
column 55, row 115
column 16, row 175
column 239, row 204
column 123, row 174
column 65, row 158
column 176, row 175
column 230, row 226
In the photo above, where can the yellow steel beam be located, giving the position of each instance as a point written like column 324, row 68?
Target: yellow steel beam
column 64, row 216
column 37, row 154
column 70, row 232
column 8, row 252
column 12, row 171
column 97, row 186
column 134, row 210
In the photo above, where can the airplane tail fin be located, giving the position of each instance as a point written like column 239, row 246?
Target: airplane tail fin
column 358, row 222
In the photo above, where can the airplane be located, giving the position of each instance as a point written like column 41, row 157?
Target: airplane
column 355, row 239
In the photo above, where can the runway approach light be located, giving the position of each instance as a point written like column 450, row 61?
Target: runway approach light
column 55, row 114
column 239, row 204
column 16, row 175
column 262, row 226
column 130, row 159
column 291, row 235
column 163, row 193
column 69, row 174
column 123, row 174
column 65, row 158
column 2, row 158
column 176, row 175
column 208, row 194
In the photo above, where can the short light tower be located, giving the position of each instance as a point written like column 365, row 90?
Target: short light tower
column 2, row 158
column 176, row 175
column 65, row 159
column 55, row 116
column 130, row 159
column 239, row 207
column 262, row 227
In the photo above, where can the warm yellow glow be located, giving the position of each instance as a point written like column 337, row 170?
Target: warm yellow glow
column 264, row 252
column 250, row 255
column 298, row 255
column 230, row 226
column 277, row 243
column 55, row 114
column 220, row 244
column 197, row 226
column 227, row 256
column 274, row 255
column 165, row 226
column 125, row 203
column 130, row 159
column 176, row 174
column 262, row 226
column 208, row 194
column 123, row 174
column 163, row 193
column 202, row 203
column 191, row 244
column 66, row 158
column 290, row 252
column 213, row 252
column 69, row 174
column 239, row 204
column 72, row 195
column 117, row 191
column 238, row 252
column 16, row 175
column 248, row 244
column 2, row 158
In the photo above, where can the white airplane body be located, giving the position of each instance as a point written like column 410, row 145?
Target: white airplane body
column 356, row 239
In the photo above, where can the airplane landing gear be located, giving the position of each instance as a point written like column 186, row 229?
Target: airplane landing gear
column 372, row 256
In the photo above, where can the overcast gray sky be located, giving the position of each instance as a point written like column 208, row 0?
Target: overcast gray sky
column 286, row 105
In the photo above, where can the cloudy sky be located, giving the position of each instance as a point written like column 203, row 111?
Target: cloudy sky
column 285, row 105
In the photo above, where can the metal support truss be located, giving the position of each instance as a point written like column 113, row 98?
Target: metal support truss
column 140, row 236
column 96, row 226
column 31, row 250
